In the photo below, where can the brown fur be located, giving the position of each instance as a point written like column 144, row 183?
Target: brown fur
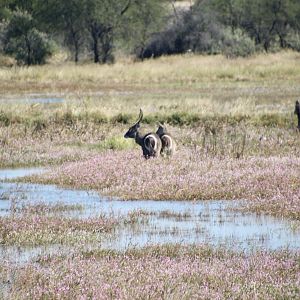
column 168, row 142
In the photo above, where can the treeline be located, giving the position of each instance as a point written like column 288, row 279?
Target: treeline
column 32, row 30
column 232, row 27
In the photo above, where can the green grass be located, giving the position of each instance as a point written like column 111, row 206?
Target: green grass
column 116, row 143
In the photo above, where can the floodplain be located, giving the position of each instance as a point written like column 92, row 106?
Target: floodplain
column 84, row 216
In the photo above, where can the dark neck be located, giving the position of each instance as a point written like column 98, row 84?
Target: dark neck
column 139, row 138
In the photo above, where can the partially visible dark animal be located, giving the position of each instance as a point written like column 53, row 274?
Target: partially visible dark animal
column 297, row 112
column 168, row 143
column 150, row 142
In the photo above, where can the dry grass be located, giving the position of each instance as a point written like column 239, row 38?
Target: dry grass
column 172, row 70
column 202, row 84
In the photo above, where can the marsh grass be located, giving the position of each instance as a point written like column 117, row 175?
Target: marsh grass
column 235, row 129
column 176, row 215
column 115, row 143
column 181, row 90
column 54, row 142
column 45, row 224
column 156, row 272
column 271, row 184
column 43, row 208
column 33, row 230
column 177, row 113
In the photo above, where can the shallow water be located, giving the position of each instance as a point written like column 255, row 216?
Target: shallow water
column 16, row 173
column 159, row 222
column 34, row 99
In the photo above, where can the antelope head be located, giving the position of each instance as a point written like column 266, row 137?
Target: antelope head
column 133, row 130
column 161, row 130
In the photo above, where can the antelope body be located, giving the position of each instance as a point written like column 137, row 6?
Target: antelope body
column 168, row 143
column 150, row 142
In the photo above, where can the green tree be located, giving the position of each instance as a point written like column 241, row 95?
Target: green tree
column 144, row 19
column 230, row 11
column 266, row 21
column 22, row 40
column 5, row 11
column 102, row 18
column 64, row 18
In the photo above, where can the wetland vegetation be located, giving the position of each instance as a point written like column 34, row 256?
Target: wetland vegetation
column 237, row 140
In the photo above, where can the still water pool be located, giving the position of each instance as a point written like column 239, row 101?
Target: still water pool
column 210, row 222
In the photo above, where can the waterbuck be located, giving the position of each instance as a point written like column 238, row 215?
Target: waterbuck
column 150, row 142
column 297, row 112
column 168, row 143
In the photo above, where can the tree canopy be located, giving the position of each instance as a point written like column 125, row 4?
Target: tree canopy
column 97, row 29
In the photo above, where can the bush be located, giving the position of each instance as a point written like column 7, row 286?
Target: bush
column 23, row 41
column 238, row 44
column 293, row 40
column 197, row 30
column 5, row 119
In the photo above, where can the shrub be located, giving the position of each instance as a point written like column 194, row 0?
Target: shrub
column 5, row 119
column 237, row 44
column 196, row 30
column 293, row 41
column 23, row 41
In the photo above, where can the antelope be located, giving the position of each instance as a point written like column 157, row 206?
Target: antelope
column 150, row 142
column 297, row 112
column 168, row 143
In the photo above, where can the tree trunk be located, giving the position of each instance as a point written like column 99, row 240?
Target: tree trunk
column 94, row 33
column 28, row 60
column 106, row 40
column 75, row 41
column 76, row 56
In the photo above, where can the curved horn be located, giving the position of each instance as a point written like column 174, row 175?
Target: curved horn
column 140, row 117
